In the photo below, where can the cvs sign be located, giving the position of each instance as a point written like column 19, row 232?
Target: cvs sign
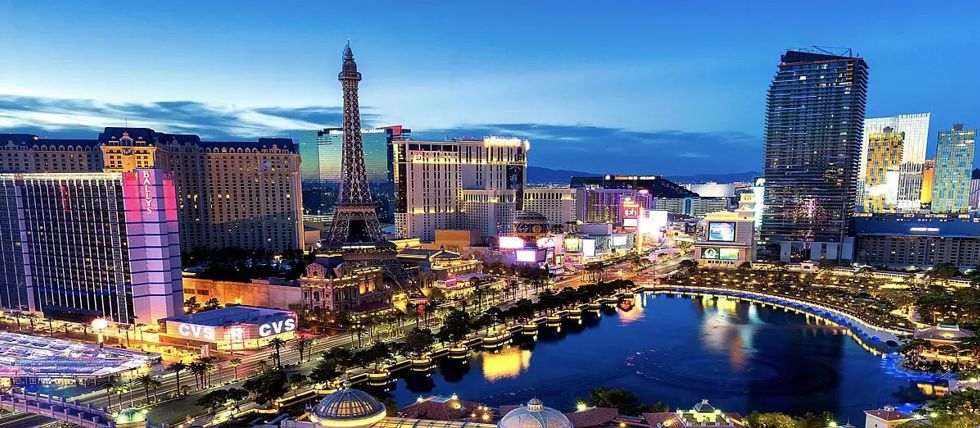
column 277, row 327
column 196, row 331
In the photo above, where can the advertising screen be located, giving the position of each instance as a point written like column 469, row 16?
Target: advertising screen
column 573, row 245
column 631, row 222
column 510, row 242
column 723, row 231
column 619, row 240
column 529, row 256
column 588, row 247
column 719, row 253
column 728, row 253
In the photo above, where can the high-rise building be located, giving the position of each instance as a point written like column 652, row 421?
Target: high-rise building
column 814, row 126
column 954, row 166
column 80, row 245
column 598, row 198
column 321, row 152
column 915, row 127
column 928, row 176
column 882, row 170
column 557, row 204
column 459, row 184
column 229, row 194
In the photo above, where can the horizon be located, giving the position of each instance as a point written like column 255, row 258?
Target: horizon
column 683, row 86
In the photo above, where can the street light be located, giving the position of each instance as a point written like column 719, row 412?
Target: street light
column 98, row 325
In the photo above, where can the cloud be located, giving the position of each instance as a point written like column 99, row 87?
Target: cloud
column 618, row 150
column 55, row 115
column 576, row 147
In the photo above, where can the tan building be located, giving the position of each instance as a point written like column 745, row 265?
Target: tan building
column 727, row 239
column 433, row 265
column 267, row 292
column 332, row 284
column 229, row 194
column 882, row 173
column 884, row 418
column 557, row 204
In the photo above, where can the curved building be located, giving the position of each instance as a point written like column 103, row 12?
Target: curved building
column 348, row 408
column 534, row 415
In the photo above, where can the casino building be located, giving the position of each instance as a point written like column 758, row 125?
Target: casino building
column 230, row 328
column 242, row 194
column 918, row 240
column 79, row 246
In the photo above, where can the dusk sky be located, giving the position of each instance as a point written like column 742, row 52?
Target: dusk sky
column 647, row 87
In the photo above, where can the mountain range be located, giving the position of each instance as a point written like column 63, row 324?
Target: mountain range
column 541, row 175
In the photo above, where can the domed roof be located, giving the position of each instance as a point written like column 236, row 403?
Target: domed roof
column 348, row 408
column 530, row 217
column 534, row 415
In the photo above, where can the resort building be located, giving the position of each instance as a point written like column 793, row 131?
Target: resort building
column 887, row 417
column 458, row 184
column 702, row 415
column 601, row 199
column 954, row 167
column 79, row 246
column 265, row 292
column 915, row 131
column 228, row 194
column 919, row 240
column 557, row 204
column 881, row 176
column 333, row 284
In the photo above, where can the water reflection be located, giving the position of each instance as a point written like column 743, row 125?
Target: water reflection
column 508, row 363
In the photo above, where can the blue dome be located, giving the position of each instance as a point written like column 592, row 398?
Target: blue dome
column 347, row 407
column 534, row 415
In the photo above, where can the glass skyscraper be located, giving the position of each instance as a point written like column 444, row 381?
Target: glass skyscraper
column 814, row 124
column 915, row 128
column 322, row 151
column 954, row 166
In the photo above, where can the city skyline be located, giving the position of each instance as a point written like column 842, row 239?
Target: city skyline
column 641, row 78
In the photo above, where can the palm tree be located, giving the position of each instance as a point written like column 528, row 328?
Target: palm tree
column 278, row 344
column 148, row 381
column 234, row 363
column 177, row 367
column 300, row 345
column 109, row 384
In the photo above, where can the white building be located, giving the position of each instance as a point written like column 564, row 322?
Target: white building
column 916, row 129
column 711, row 189
column 458, row 184
column 557, row 204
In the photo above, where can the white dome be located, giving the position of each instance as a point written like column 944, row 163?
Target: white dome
column 534, row 415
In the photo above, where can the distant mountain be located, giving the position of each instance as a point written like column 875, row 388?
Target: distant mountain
column 541, row 175
column 747, row 176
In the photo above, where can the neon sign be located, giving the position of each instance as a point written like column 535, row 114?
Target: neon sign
column 196, row 331
column 277, row 327
column 147, row 191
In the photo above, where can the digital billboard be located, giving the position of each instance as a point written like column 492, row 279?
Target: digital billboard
column 721, row 231
column 510, row 242
column 620, row 240
column 528, row 256
column 631, row 222
column 588, row 247
column 712, row 253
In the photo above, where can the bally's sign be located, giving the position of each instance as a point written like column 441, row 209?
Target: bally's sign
column 277, row 327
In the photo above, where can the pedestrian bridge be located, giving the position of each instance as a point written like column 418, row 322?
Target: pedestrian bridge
column 83, row 415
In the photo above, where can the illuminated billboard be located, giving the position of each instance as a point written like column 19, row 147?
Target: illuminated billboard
column 588, row 247
column 620, row 240
column 510, row 242
column 631, row 222
column 721, row 231
column 712, row 253
column 528, row 256
column 573, row 245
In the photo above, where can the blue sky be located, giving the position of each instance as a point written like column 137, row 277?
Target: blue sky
column 626, row 87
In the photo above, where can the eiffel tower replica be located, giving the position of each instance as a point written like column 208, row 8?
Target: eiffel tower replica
column 356, row 231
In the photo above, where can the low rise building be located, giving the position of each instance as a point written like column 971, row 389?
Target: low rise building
column 230, row 328
column 918, row 240
column 265, row 292
column 702, row 415
column 726, row 240
column 886, row 417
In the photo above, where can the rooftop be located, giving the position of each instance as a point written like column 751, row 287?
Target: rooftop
column 22, row 355
column 232, row 315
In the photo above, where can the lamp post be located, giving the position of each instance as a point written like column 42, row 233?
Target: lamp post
column 98, row 325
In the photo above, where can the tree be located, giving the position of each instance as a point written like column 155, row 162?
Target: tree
column 213, row 401
column 418, row 341
column 277, row 343
column 177, row 367
column 267, row 387
column 377, row 353
column 109, row 385
column 456, row 326
column 626, row 401
column 771, row 420
column 236, row 396
column 211, row 304
column 148, row 381
column 234, row 363
column 324, row 372
column 191, row 305
column 300, row 345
